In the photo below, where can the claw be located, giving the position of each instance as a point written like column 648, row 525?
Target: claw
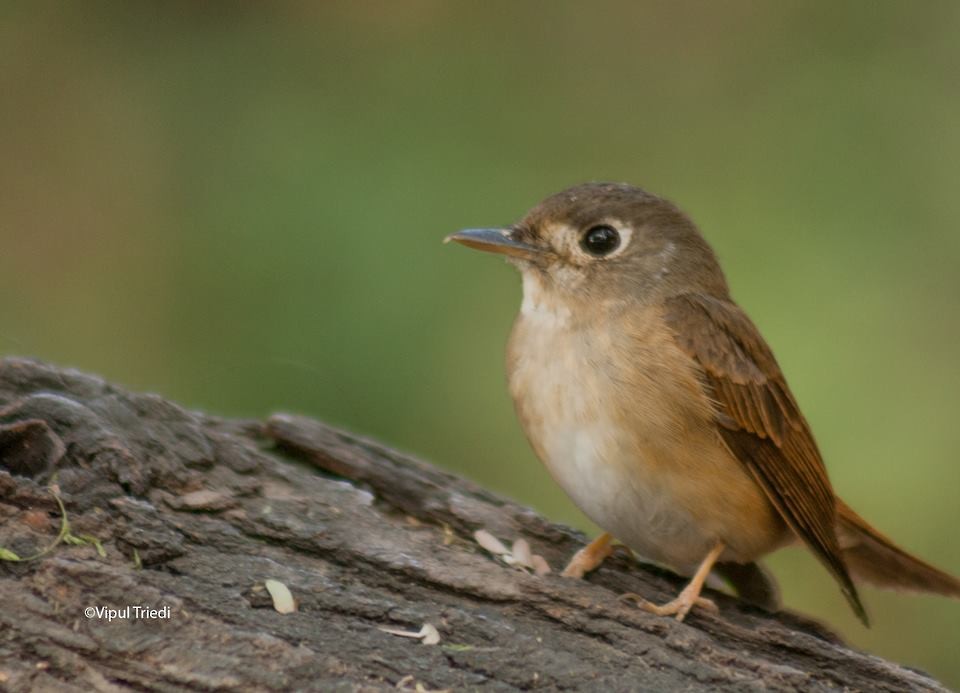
column 689, row 597
column 678, row 608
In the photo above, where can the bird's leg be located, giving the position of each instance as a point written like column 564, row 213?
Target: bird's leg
column 690, row 595
column 589, row 557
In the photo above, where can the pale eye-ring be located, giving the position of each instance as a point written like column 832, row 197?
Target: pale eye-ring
column 600, row 240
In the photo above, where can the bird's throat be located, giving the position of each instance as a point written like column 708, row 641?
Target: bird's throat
column 541, row 305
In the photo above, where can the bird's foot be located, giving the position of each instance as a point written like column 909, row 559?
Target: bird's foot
column 589, row 557
column 678, row 608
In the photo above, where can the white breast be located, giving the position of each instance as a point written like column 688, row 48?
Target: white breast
column 595, row 461
column 609, row 434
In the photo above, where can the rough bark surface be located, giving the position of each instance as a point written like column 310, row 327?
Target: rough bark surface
column 194, row 513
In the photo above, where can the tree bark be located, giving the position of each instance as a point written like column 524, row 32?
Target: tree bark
column 194, row 513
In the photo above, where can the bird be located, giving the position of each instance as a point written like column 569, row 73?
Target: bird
column 656, row 404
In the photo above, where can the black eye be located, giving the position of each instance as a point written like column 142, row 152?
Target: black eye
column 600, row 240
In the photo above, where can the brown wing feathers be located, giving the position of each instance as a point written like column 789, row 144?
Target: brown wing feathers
column 761, row 423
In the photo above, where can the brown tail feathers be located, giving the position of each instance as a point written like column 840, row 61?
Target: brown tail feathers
column 876, row 560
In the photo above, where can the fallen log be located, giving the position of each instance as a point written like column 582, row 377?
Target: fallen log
column 136, row 540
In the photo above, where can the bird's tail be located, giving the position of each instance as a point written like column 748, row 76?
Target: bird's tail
column 876, row 560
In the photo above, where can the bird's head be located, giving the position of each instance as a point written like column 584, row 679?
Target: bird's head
column 602, row 244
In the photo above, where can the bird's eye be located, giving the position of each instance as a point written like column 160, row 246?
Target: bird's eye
column 600, row 240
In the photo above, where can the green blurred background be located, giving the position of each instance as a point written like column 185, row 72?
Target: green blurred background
column 241, row 206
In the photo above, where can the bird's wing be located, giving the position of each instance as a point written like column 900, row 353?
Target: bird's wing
column 761, row 423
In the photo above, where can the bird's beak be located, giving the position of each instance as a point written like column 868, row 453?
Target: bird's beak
column 495, row 241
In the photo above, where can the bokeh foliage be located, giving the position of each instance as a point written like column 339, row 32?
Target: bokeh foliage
column 240, row 206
